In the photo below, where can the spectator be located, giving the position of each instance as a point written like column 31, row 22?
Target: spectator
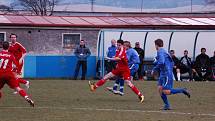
column 176, row 69
column 212, row 60
column 140, row 52
column 186, row 65
column 202, row 66
column 110, row 64
column 82, row 53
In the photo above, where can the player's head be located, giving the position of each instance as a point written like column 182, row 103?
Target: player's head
column 127, row 44
column 13, row 37
column 5, row 45
column 158, row 43
column 185, row 52
column 113, row 42
column 203, row 50
column 120, row 43
column 82, row 42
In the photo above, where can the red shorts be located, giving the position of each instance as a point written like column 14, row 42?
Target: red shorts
column 8, row 78
column 122, row 72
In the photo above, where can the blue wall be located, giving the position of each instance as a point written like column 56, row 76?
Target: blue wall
column 55, row 66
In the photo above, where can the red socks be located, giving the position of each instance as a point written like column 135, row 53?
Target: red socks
column 135, row 90
column 22, row 93
column 100, row 83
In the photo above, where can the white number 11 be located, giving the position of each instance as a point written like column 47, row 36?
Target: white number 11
column 4, row 62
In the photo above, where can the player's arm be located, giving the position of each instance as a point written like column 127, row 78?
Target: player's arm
column 159, row 62
column 114, row 58
column 23, row 50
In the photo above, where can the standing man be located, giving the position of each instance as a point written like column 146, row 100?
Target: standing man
column 164, row 65
column 121, row 70
column 140, row 51
column 19, row 53
column 82, row 53
column 7, row 76
column 110, row 65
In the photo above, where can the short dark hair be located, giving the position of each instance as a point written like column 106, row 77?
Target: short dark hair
column 120, row 41
column 5, row 45
column 159, row 42
column 13, row 34
column 82, row 40
column 172, row 51
column 203, row 49
column 128, row 43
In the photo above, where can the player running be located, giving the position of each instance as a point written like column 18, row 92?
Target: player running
column 164, row 65
column 133, row 64
column 7, row 76
column 121, row 70
column 19, row 53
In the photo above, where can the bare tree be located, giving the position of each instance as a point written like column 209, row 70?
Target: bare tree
column 39, row 7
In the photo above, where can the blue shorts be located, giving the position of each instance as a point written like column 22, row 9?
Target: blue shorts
column 165, row 82
column 133, row 69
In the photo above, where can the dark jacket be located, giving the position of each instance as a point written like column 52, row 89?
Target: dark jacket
column 188, row 60
column 212, row 60
column 176, row 61
column 202, row 61
column 82, row 52
column 140, row 51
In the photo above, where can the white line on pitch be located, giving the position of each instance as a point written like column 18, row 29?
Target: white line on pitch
column 116, row 110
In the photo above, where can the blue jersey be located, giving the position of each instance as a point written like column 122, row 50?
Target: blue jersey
column 133, row 57
column 164, row 65
column 111, row 51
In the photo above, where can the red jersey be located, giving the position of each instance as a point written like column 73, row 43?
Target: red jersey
column 121, row 53
column 17, row 50
column 6, row 61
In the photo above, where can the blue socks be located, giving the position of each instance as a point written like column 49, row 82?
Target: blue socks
column 177, row 90
column 120, row 83
column 165, row 100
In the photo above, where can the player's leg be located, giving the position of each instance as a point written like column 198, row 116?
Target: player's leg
column 14, row 84
column 101, row 82
column 20, row 79
column 168, row 89
column 161, row 82
column 164, row 98
column 24, row 95
column 115, row 86
column 126, row 76
column 121, row 87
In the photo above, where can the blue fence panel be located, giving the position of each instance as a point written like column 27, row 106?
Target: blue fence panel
column 56, row 66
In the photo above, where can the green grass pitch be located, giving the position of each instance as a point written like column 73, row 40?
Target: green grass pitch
column 71, row 100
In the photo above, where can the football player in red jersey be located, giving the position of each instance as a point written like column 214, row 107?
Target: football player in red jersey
column 121, row 70
column 7, row 76
column 19, row 53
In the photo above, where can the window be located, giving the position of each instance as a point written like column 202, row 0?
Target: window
column 2, row 38
column 71, row 40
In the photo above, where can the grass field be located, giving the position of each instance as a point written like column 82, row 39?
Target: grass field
column 71, row 100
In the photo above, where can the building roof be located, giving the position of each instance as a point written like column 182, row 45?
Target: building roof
column 109, row 21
